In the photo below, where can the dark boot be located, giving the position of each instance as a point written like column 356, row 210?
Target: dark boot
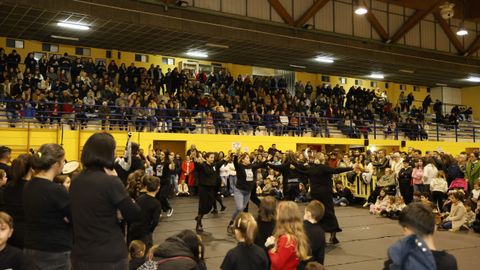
column 230, row 227
column 199, row 227
column 333, row 238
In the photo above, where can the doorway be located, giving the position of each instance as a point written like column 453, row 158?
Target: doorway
column 172, row 146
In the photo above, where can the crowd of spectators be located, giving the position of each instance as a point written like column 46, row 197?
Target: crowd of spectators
column 76, row 91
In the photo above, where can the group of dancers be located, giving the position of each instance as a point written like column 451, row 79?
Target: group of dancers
column 319, row 175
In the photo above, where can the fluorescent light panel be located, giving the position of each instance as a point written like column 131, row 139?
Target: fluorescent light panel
column 462, row 32
column 475, row 79
column 74, row 26
column 324, row 59
column 217, row 45
column 197, row 54
column 361, row 10
column 67, row 38
column 378, row 76
column 297, row 66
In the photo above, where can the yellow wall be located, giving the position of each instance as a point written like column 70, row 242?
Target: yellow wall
column 20, row 140
column 470, row 97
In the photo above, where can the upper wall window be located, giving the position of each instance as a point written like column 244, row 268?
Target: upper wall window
column 46, row 47
column 82, row 51
column 141, row 58
column 168, row 61
column 15, row 43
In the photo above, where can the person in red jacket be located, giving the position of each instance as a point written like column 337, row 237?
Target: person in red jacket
column 289, row 244
column 186, row 176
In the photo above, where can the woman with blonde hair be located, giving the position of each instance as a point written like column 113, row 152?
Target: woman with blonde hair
column 289, row 243
column 246, row 255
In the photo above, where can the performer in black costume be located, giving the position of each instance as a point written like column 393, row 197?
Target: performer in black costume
column 321, row 184
column 164, row 167
column 208, row 179
column 291, row 178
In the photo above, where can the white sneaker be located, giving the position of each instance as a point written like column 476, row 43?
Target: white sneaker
column 343, row 204
column 170, row 212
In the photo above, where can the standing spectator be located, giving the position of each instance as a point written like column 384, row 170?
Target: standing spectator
column 417, row 177
column 439, row 188
column 13, row 197
column 48, row 235
column 426, row 103
column 289, row 244
column 98, row 197
column 314, row 212
column 5, row 158
column 405, row 181
column 472, row 169
column 417, row 249
column 246, row 255
column 13, row 60
column 266, row 219
column 429, row 172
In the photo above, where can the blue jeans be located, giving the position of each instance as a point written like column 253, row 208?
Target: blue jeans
column 232, row 179
column 340, row 200
column 119, row 265
column 174, row 182
column 447, row 225
column 241, row 198
column 49, row 260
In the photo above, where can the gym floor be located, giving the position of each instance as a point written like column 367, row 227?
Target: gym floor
column 363, row 242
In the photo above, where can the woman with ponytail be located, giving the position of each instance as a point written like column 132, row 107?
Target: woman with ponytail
column 289, row 244
column 48, row 235
column 246, row 255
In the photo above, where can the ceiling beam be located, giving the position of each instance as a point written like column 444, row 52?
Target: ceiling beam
column 376, row 25
column 281, row 11
column 319, row 4
column 412, row 21
column 474, row 47
column 451, row 36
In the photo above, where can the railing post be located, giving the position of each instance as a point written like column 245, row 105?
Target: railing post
column 201, row 123
column 438, row 133
column 456, row 133
column 374, row 129
column 473, row 134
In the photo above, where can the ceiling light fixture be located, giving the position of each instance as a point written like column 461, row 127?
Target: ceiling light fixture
column 409, row 71
column 217, row 45
column 67, row 38
column 441, row 84
column 297, row 66
column 474, row 79
column 360, row 9
column 74, row 26
column 378, row 76
column 324, row 59
column 462, row 31
column 197, row 54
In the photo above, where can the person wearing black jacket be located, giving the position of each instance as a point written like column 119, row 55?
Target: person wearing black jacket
column 291, row 178
column 405, row 181
column 208, row 179
column 151, row 209
column 99, row 200
column 321, row 189
column 246, row 173
column 164, row 167
column 48, row 235
column 314, row 212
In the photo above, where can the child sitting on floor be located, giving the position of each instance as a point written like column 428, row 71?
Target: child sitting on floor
column 380, row 204
column 458, row 214
column 342, row 196
column 476, row 223
column 417, row 196
column 302, row 195
column 390, row 208
column 424, row 199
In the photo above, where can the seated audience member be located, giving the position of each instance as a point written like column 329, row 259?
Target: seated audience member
column 314, row 212
column 63, row 180
column 151, row 209
column 381, row 203
column 475, row 193
column 246, row 255
column 3, row 182
column 289, row 244
column 390, row 208
column 417, row 195
column 266, row 219
column 302, row 193
column 11, row 257
column 424, row 199
column 342, row 196
column 136, row 256
column 458, row 214
column 470, row 215
column 181, row 251
column 476, row 223
column 417, row 249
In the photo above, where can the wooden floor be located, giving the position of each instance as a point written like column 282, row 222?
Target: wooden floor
column 363, row 242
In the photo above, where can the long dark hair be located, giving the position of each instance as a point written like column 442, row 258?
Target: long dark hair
column 99, row 151
column 21, row 166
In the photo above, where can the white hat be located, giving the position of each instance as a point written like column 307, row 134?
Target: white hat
column 70, row 167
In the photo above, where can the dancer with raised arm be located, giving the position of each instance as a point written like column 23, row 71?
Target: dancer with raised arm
column 321, row 184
